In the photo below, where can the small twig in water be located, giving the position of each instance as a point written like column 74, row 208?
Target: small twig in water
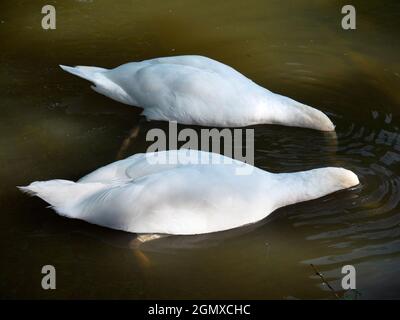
column 319, row 274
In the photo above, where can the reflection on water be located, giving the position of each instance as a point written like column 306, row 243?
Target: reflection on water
column 54, row 126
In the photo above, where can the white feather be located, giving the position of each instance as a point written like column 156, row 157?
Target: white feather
column 136, row 196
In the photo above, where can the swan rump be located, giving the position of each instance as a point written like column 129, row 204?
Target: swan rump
column 135, row 196
column 196, row 90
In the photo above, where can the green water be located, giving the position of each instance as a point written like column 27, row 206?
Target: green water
column 53, row 125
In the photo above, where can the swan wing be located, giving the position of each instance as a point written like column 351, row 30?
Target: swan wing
column 189, row 199
column 189, row 95
column 143, row 164
column 199, row 62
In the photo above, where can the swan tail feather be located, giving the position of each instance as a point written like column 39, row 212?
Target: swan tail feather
column 62, row 195
column 103, row 84
column 88, row 73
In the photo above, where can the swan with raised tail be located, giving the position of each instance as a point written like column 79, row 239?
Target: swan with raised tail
column 142, row 194
column 196, row 90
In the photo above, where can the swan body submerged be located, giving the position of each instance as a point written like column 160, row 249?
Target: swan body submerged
column 185, row 197
column 196, row 90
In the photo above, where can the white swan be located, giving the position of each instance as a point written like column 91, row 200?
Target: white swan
column 200, row 91
column 139, row 196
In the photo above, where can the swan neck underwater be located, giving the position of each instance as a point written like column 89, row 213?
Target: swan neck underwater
column 311, row 184
column 183, row 199
column 196, row 90
column 289, row 112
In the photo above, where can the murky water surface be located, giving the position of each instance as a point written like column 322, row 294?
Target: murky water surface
column 53, row 125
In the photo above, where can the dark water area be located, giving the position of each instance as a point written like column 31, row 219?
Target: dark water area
column 53, row 125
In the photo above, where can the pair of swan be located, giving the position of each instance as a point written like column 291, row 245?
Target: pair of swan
column 188, row 197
